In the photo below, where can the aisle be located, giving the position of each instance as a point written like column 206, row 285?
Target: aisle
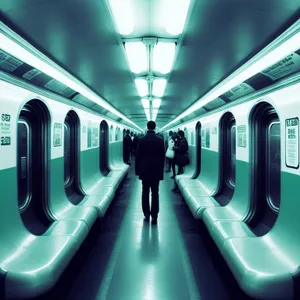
column 128, row 259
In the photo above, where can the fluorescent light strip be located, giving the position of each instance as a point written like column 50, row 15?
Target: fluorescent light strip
column 146, row 103
column 137, row 56
column 142, row 86
column 123, row 15
column 14, row 49
column 158, row 87
column 163, row 57
column 174, row 15
column 256, row 65
column 156, row 103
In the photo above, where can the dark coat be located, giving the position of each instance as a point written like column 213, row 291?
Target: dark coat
column 182, row 147
column 150, row 157
column 127, row 142
column 134, row 143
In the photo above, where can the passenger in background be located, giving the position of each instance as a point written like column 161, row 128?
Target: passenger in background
column 127, row 147
column 134, row 143
column 175, row 138
column 170, row 154
column 182, row 158
column 181, row 150
column 149, row 166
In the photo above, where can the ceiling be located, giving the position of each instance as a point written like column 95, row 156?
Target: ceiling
column 219, row 36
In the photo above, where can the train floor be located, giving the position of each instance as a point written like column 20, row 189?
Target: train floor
column 125, row 258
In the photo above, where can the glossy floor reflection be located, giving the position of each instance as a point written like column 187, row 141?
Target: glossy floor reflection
column 126, row 258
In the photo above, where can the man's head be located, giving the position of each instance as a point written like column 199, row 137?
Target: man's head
column 127, row 131
column 151, row 125
column 181, row 133
column 170, row 133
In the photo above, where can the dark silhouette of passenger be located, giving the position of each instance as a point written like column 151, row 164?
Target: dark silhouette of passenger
column 149, row 166
column 134, row 143
column 181, row 149
column 127, row 142
column 175, row 138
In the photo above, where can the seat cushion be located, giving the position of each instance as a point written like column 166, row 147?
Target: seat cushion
column 35, row 265
column 261, row 268
column 198, row 204
column 222, row 230
column 214, row 214
column 193, row 192
column 76, row 212
column 75, row 228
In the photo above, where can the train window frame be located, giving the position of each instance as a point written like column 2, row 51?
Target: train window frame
column 70, row 178
column 232, row 146
column 198, row 150
column 261, row 217
column 268, row 166
column 26, row 202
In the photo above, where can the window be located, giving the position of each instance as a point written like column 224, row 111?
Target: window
column 227, row 152
column 273, row 165
column 24, row 163
column 198, row 150
column 71, row 158
column 232, row 152
column 186, row 134
column 104, row 148
column 117, row 134
column 111, row 133
column 265, row 168
column 67, row 153
column 32, row 166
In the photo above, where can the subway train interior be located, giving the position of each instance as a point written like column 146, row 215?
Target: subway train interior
column 76, row 76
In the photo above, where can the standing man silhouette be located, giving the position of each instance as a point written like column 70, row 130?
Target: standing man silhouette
column 149, row 166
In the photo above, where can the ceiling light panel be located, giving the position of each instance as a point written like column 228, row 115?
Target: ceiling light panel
column 174, row 15
column 142, row 86
column 147, row 113
column 156, row 103
column 146, row 103
column 154, row 114
column 163, row 56
column 122, row 11
column 158, row 87
column 137, row 56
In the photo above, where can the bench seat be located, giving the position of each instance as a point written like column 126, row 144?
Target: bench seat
column 34, row 264
column 261, row 266
column 198, row 204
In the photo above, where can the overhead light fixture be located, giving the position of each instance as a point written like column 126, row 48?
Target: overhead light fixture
column 174, row 15
column 147, row 113
column 142, row 86
column 122, row 11
column 163, row 56
column 137, row 56
column 154, row 114
column 146, row 103
column 279, row 49
column 22, row 50
column 158, row 87
column 156, row 103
